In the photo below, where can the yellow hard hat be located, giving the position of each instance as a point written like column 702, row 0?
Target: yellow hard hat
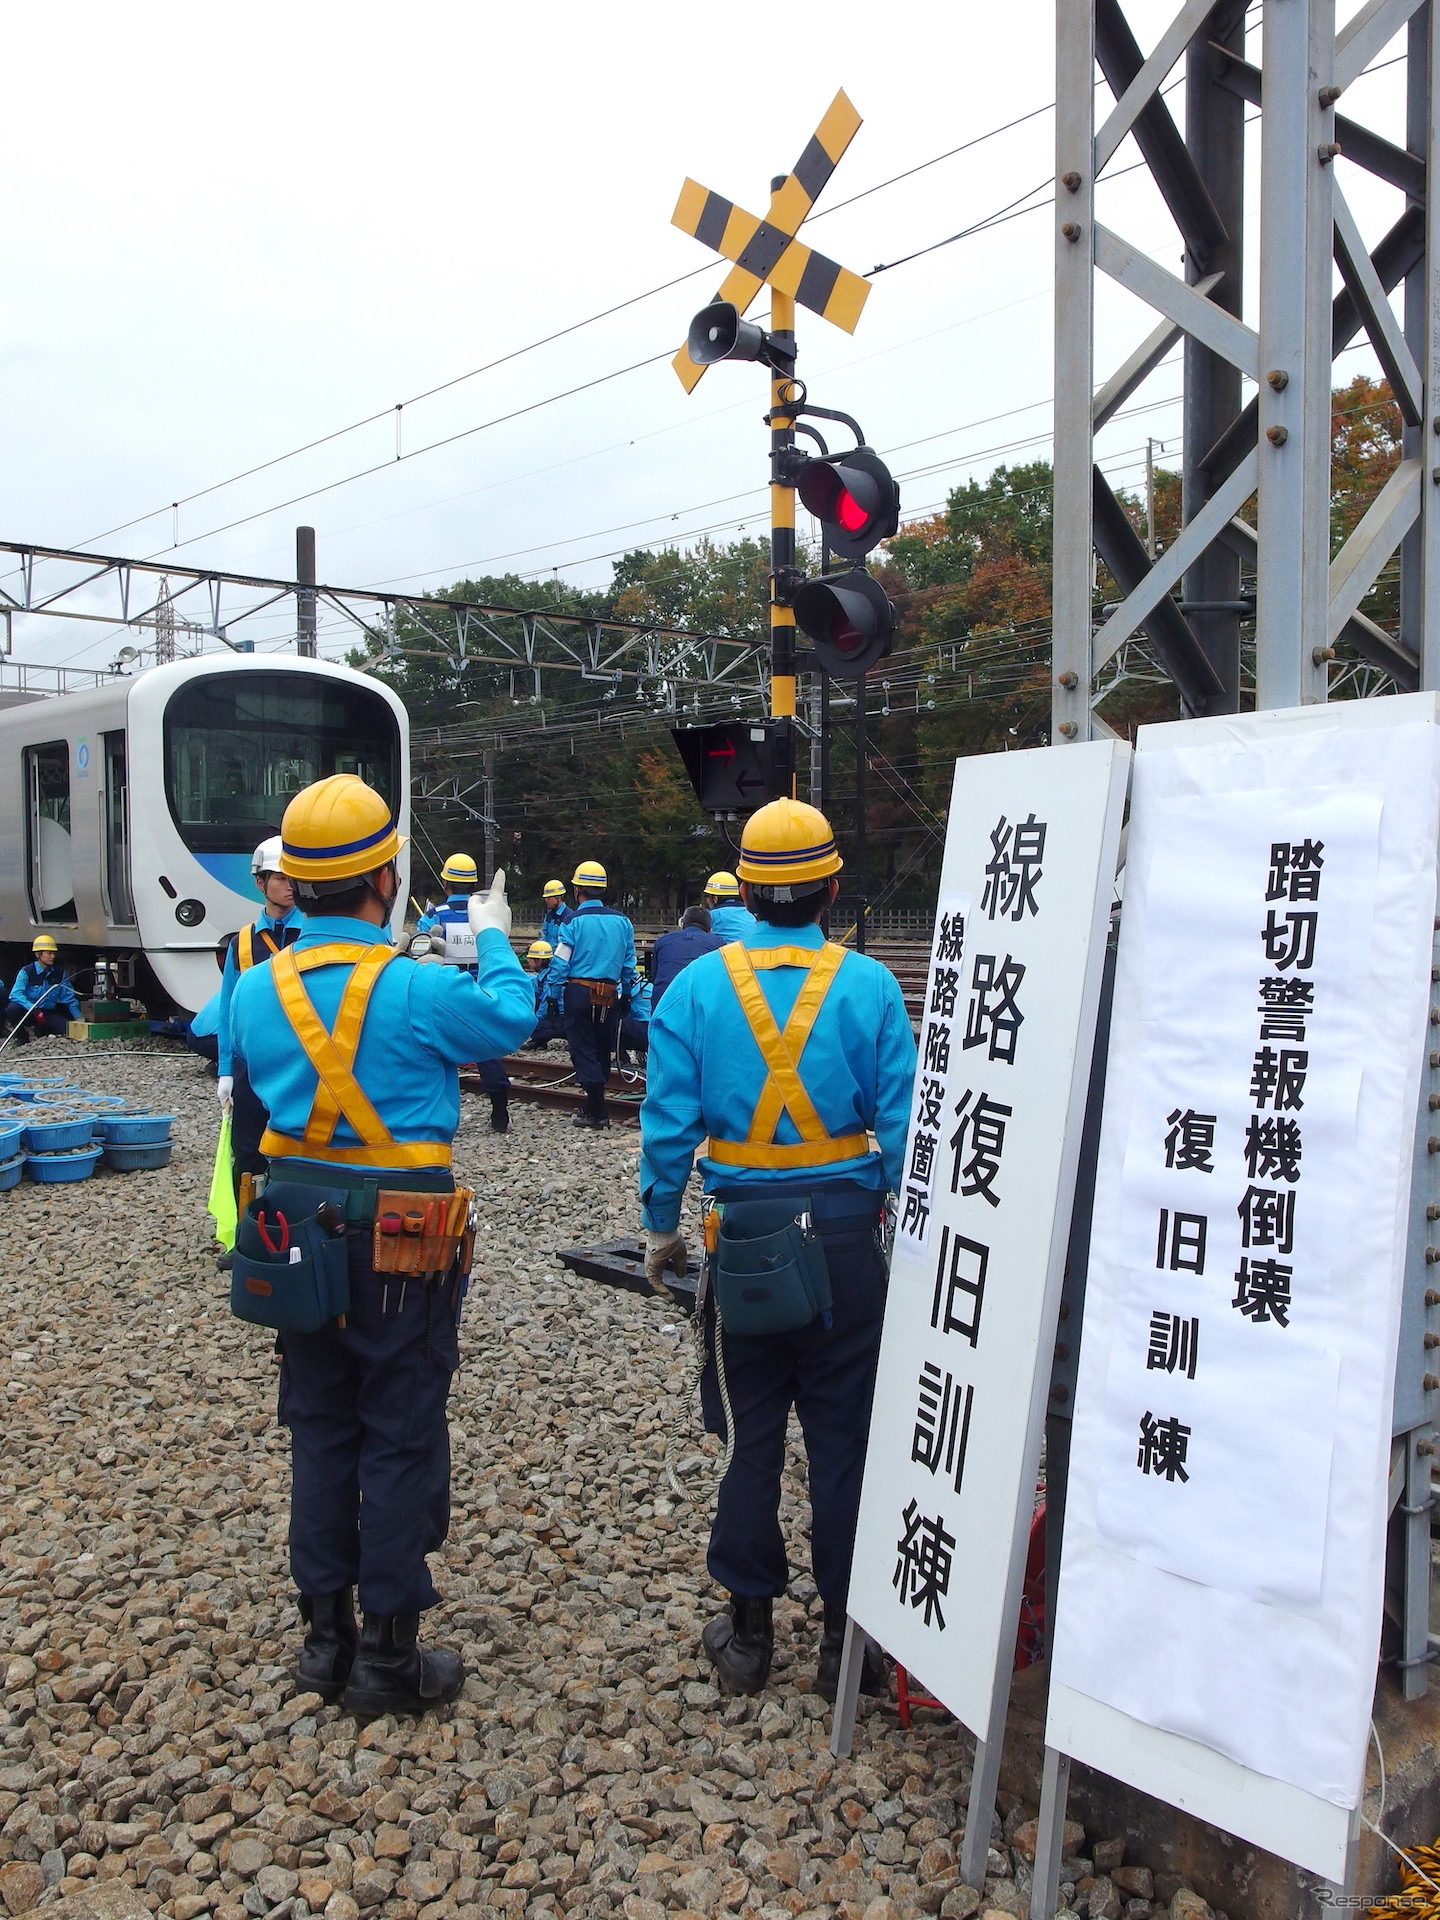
column 589, row 873
column 553, row 890
column 786, row 843
column 462, row 870
column 43, row 943
column 336, row 829
column 539, row 950
column 724, row 885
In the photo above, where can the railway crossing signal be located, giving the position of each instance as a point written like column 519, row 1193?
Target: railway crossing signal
column 855, row 498
column 766, row 252
column 736, row 767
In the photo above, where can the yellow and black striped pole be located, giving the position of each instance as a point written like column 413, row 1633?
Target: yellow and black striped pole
column 782, row 529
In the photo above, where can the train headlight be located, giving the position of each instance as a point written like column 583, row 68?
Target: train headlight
column 190, row 912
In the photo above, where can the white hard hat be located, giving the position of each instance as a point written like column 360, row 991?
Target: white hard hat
column 266, row 857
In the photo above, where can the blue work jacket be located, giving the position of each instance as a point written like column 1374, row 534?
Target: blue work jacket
column 674, row 951
column 555, row 919
column 543, row 990
column 262, row 924
column 455, row 907
column 597, row 943
column 705, row 1074
column 45, row 987
column 423, row 1023
column 733, row 922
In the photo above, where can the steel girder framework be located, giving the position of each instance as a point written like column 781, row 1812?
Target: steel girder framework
column 212, row 606
column 1272, row 447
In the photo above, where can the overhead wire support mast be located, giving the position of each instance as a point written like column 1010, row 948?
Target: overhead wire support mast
column 465, row 632
column 1275, row 450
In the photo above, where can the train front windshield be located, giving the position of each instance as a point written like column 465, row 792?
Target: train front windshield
column 240, row 746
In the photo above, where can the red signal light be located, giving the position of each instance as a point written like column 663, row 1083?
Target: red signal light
column 849, row 512
column 854, row 496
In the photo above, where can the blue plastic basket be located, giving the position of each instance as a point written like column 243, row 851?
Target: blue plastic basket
column 10, row 1173
column 12, row 1138
column 138, row 1159
column 55, row 1169
column 57, row 1136
column 133, row 1129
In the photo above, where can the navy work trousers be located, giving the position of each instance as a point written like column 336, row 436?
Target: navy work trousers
column 590, row 1034
column 493, row 1077
column 369, row 1446
column 828, row 1376
column 52, row 1020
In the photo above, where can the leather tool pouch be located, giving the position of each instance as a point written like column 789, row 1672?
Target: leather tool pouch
column 603, row 993
column 770, row 1274
column 444, row 1232
column 300, row 1288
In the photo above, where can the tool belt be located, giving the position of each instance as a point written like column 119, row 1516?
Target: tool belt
column 290, row 1268
column 768, row 1265
column 603, row 993
column 419, row 1234
column 359, row 1187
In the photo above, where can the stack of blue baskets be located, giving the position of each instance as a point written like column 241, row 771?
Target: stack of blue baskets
column 59, row 1133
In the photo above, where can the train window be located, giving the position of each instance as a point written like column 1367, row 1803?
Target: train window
column 47, row 833
column 240, row 746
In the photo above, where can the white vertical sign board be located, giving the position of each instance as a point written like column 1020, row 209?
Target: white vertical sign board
column 1218, row 1617
column 1005, row 1042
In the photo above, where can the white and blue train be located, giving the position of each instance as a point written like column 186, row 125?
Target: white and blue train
column 128, row 815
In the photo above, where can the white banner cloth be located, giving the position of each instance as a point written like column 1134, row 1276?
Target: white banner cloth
column 1224, row 1534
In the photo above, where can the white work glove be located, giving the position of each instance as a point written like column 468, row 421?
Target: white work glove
column 491, row 909
column 664, row 1250
column 224, row 1091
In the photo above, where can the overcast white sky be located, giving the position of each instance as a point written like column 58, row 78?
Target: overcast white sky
column 231, row 231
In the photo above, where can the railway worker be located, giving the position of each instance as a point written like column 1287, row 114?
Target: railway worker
column 593, row 977
column 729, row 917
column 787, row 1051
column 450, row 921
column 364, row 1398
column 675, row 950
column 549, row 1022
column 556, row 912
column 276, row 927
column 42, row 1000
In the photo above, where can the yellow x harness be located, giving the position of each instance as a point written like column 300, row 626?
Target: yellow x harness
column 332, row 1054
column 784, row 1090
column 245, row 947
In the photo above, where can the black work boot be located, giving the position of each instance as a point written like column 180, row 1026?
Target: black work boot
column 499, row 1113
column 740, row 1641
column 598, row 1117
column 393, row 1673
column 331, row 1638
column 832, row 1645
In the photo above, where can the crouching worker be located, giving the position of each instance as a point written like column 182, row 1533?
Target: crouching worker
column 354, row 1049
column 787, row 1052
column 42, row 1000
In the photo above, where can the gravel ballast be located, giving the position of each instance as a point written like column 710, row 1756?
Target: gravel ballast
column 151, row 1736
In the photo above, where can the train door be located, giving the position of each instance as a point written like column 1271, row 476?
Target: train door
column 115, row 825
column 47, row 833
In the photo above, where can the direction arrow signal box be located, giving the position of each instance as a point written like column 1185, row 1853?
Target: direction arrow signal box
column 734, row 768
